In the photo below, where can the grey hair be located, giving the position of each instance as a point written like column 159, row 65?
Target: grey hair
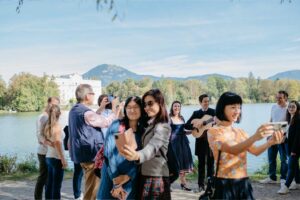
column 81, row 91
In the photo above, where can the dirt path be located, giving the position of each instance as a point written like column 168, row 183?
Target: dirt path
column 24, row 190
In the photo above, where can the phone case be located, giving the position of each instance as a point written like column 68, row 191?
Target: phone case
column 123, row 137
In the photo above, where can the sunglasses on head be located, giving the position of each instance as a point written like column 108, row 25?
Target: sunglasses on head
column 148, row 103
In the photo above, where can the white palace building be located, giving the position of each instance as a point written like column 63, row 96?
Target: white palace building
column 67, row 85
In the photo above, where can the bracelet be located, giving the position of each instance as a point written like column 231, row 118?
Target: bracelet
column 117, row 186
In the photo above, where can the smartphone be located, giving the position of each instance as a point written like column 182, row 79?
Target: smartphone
column 280, row 126
column 111, row 98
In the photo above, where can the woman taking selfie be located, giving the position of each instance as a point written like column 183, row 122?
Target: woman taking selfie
column 233, row 143
column 154, row 168
column 118, row 174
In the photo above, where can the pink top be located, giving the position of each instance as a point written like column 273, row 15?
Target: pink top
column 230, row 166
column 95, row 120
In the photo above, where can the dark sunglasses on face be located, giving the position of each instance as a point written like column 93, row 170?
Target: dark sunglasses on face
column 148, row 103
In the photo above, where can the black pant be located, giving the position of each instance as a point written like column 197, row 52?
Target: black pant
column 42, row 178
column 205, row 157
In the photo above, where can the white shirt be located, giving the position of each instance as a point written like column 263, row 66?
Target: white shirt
column 278, row 113
column 42, row 118
column 52, row 152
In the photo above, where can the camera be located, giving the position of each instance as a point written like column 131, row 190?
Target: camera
column 279, row 126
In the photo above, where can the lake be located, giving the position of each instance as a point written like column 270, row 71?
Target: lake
column 18, row 131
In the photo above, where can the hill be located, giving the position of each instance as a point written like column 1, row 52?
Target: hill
column 292, row 74
column 109, row 73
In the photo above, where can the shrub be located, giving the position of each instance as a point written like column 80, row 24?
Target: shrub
column 7, row 164
column 28, row 165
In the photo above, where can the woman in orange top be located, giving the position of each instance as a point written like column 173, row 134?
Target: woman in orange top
column 232, row 180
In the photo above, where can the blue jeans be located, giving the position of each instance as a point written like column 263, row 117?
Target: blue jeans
column 272, row 155
column 77, row 178
column 293, row 171
column 55, row 178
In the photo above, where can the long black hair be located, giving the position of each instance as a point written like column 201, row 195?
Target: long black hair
column 141, row 121
column 227, row 98
column 162, row 116
column 289, row 118
column 172, row 112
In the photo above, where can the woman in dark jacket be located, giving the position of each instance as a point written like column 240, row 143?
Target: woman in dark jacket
column 293, row 118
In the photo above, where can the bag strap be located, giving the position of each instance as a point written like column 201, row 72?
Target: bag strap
column 218, row 162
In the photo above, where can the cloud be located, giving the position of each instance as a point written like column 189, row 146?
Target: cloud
column 164, row 23
column 183, row 66
column 297, row 39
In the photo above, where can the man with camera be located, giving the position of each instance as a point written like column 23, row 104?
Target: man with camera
column 86, row 137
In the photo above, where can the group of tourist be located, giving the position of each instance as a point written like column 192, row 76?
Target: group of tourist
column 140, row 169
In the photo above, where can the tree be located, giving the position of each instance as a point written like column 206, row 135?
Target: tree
column 2, row 93
column 101, row 4
column 29, row 93
column 266, row 91
column 293, row 89
column 252, row 84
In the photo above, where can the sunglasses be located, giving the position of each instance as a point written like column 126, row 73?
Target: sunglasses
column 148, row 103
column 92, row 93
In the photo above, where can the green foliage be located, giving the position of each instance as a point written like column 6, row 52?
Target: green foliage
column 7, row 164
column 29, row 164
column 27, row 92
column 2, row 93
column 251, row 89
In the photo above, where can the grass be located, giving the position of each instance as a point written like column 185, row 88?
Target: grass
column 30, row 176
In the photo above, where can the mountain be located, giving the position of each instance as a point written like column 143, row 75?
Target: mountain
column 206, row 76
column 109, row 73
column 292, row 74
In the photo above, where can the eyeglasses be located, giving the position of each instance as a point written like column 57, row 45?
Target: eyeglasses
column 149, row 103
column 292, row 106
column 92, row 93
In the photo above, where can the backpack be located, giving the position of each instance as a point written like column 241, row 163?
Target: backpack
column 66, row 138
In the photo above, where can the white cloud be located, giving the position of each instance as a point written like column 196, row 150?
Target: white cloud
column 183, row 66
column 165, row 23
column 297, row 39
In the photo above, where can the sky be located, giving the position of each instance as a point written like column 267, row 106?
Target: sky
column 156, row 37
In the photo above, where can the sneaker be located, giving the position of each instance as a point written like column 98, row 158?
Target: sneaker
column 294, row 186
column 80, row 198
column 267, row 180
column 282, row 181
column 283, row 190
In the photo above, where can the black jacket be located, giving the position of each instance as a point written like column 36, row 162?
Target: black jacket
column 201, row 143
column 294, row 136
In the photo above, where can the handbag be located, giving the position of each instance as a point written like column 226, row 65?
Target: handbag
column 211, row 183
column 99, row 159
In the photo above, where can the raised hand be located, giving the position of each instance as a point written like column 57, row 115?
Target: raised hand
column 263, row 131
column 277, row 137
column 129, row 153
